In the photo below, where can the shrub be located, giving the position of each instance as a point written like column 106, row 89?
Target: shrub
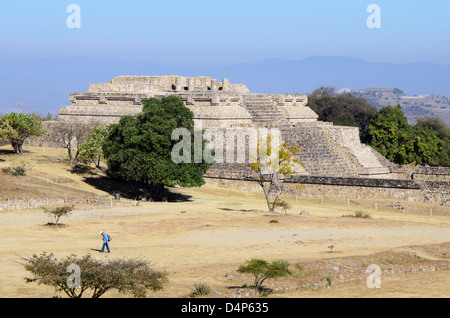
column 362, row 214
column 301, row 271
column 282, row 205
column 201, row 290
column 282, row 265
column 15, row 171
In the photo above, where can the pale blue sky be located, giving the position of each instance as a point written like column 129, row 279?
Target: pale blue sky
column 209, row 32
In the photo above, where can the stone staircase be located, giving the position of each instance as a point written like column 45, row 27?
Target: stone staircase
column 264, row 111
column 348, row 138
column 320, row 155
column 334, row 151
column 328, row 150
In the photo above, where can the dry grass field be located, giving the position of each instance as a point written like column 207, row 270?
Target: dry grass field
column 208, row 233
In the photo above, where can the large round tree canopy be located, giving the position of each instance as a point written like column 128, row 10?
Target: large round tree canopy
column 139, row 148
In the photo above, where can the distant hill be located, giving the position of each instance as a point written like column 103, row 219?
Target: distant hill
column 44, row 85
column 413, row 106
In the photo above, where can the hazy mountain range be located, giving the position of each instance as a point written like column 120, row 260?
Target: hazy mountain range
column 44, row 85
column 413, row 106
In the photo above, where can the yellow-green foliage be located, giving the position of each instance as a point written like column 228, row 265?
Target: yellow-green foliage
column 272, row 168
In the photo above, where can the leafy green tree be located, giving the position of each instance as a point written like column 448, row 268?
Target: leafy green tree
column 132, row 276
column 390, row 134
column 17, row 127
column 341, row 109
column 140, row 148
column 6, row 131
column 262, row 270
column 91, row 150
column 443, row 132
column 427, row 146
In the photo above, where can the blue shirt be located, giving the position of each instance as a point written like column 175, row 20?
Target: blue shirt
column 105, row 238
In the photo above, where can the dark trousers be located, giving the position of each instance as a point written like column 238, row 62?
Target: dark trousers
column 107, row 247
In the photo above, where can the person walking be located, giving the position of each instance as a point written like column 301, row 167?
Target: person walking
column 105, row 241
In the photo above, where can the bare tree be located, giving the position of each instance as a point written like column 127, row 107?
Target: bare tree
column 71, row 135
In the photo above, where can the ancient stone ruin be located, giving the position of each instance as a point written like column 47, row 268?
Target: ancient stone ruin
column 336, row 164
column 328, row 150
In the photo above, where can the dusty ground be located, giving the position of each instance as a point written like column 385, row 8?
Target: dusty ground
column 206, row 238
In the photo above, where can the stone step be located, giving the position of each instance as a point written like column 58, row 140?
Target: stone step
column 373, row 170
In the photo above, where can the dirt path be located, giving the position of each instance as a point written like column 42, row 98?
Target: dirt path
column 206, row 239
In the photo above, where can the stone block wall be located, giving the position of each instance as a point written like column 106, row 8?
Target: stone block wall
column 441, row 174
column 167, row 83
column 434, row 192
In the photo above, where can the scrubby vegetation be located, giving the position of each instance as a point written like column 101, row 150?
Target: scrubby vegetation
column 15, row 171
column 100, row 276
column 262, row 270
column 201, row 290
column 58, row 212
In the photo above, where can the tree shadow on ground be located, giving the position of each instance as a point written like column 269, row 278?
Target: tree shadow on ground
column 132, row 190
column 83, row 170
column 240, row 210
column 6, row 152
column 55, row 225
column 262, row 290
column 11, row 151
